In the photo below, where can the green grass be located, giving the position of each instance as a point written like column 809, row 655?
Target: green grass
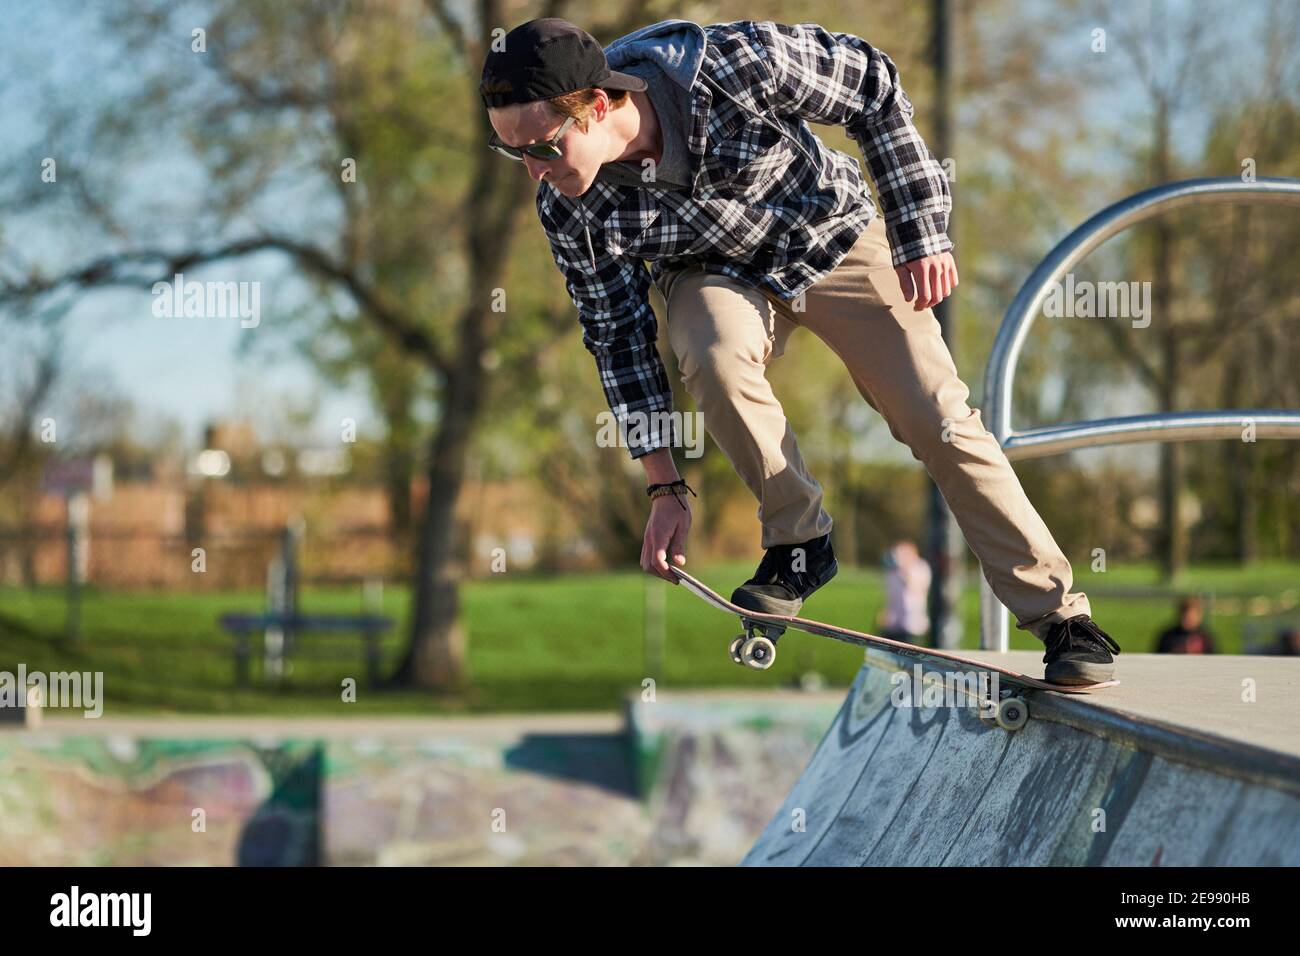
column 535, row 644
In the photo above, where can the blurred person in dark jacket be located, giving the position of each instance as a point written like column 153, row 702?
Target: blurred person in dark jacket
column 1189, row 635
column 1288, row 642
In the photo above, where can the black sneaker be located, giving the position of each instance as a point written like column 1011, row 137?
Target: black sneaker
column 1078, row 652
column 776, row 588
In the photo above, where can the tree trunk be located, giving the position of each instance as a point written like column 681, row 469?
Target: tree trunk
column 1243, row 492
column 1173, row 540
column 397, row 480
column 435, row 657
column 1241, row 462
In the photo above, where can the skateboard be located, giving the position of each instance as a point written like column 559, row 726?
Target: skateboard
column 756, row 648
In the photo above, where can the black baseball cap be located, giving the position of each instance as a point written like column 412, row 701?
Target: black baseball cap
column 548, row 57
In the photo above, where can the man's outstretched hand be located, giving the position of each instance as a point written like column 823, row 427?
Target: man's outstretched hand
column 929, row 280
column 665, row 535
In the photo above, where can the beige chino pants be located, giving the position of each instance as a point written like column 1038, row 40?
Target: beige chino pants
column 724, row 333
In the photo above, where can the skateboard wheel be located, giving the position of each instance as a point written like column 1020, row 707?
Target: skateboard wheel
column 1013, row 713
column 735, row 650
column 758, row 653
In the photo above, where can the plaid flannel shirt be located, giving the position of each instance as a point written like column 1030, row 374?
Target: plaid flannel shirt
column 770, row 204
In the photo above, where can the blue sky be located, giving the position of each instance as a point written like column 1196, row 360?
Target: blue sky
column 189, row 369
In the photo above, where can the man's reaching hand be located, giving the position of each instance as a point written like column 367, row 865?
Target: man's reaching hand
column 929, row 280
column 665, row 536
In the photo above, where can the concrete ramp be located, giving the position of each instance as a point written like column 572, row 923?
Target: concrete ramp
column 1190, row 762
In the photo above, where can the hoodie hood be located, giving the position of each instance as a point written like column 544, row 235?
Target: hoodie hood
column 675, row 46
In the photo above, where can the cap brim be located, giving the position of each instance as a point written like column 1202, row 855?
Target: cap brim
column 624, row 81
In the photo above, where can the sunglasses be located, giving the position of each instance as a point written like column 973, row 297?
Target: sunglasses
column 548, row 150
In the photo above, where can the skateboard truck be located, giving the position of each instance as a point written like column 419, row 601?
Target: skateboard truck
column 756, row 648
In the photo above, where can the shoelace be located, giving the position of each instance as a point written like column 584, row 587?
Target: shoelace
column 769, row 567
column 1080, row 629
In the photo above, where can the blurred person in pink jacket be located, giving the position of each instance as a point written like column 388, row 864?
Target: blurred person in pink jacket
column 907, row 588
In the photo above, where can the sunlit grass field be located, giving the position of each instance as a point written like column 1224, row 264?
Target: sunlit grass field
column 574, row 642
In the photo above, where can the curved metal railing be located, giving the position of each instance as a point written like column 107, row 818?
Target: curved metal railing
column 999, row 376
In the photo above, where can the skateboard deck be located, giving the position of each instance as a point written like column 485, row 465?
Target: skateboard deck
column 767, row 623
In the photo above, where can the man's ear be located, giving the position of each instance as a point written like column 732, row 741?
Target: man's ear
column 600, row 109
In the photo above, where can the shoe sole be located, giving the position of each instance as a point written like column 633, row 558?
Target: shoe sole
column 1078, row 672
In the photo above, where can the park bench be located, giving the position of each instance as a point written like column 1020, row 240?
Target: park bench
column 287, row 627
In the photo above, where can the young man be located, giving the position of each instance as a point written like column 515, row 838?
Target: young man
column 693, row 155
